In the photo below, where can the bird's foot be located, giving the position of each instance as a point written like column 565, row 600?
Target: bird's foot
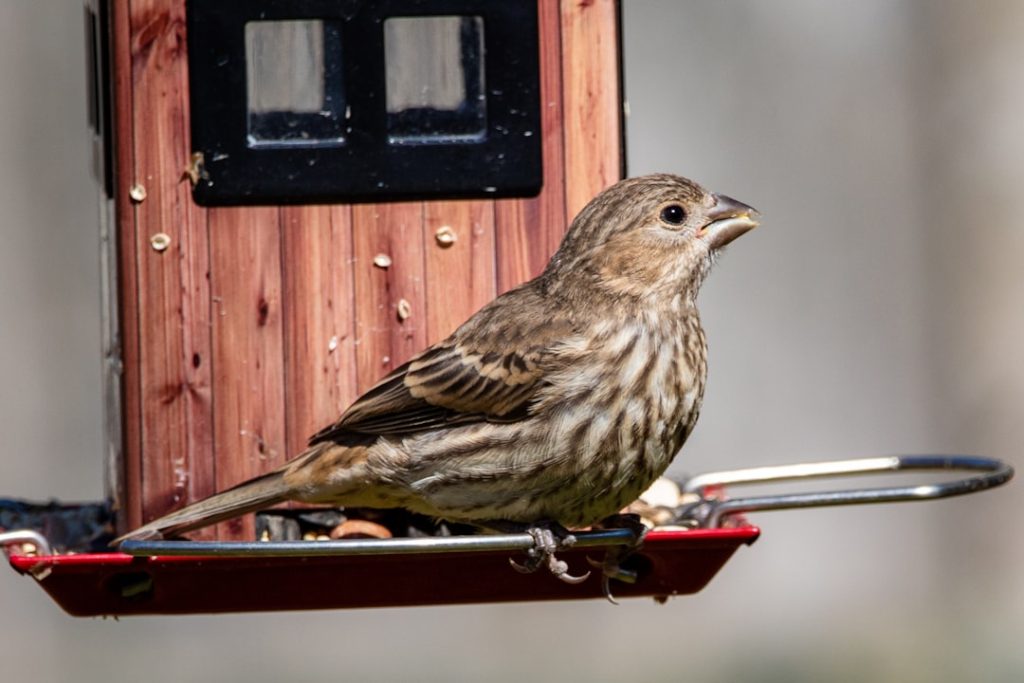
column 548, row 539
column 612, row 565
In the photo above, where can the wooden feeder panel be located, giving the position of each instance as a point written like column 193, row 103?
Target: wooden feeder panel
column 246, row 329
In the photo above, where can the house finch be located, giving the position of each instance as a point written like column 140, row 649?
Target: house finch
column 553, row 406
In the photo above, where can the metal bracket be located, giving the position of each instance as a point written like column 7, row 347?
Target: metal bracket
column 710, row 512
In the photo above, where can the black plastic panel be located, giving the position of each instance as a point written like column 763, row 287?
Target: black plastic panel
column 337, row 139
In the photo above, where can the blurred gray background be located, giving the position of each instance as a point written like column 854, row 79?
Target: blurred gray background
column 878, row 310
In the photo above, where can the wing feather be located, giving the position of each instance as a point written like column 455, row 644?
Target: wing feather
column 488, row 370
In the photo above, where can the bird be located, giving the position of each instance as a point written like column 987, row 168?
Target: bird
column 552, row 407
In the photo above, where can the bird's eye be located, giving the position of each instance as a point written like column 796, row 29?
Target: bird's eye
column 673, row 214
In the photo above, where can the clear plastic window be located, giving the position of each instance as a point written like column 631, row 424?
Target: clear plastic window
column 435, row 79
column 294, row 86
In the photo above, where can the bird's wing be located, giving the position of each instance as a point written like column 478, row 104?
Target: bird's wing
column 488, row 371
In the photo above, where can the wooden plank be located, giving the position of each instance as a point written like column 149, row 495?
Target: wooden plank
column 529, row 230
column 248, row 348
column 406, row 281
column 383, row 341
column 461, row 274
column 319, row 319
column 592, row 99
column 173, row 288
column 128, row 498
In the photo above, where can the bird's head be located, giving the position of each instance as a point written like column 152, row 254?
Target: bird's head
column 649, row 237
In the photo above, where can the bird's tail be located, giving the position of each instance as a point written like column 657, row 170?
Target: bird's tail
column 249, row 496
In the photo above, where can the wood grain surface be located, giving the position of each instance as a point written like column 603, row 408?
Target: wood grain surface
column 256, row 326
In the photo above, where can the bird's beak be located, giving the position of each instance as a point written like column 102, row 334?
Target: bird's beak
column 727, row 220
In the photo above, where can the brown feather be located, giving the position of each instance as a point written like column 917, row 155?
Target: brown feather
column 450, row 383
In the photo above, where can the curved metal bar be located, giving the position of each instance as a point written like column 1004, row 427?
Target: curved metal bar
column 367, row 546
column 808, row 470
column 710, row 512
column 21, row 536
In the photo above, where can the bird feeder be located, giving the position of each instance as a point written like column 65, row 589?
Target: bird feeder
column 298, row 196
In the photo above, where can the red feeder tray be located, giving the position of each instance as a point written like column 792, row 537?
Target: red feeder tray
column 184, row 577
column 670, row 563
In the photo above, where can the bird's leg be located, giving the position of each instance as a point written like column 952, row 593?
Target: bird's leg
column 548, row 538
column 611, row 566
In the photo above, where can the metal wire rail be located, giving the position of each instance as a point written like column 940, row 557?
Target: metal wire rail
column 710, row 512
column 390, row 546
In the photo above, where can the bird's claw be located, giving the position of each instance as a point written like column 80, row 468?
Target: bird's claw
column 611, row 569
column 611, row 566
column 561, row 571
column 526, row 568
column 546, row 542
